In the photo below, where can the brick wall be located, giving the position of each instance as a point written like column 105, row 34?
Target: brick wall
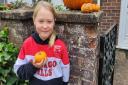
column 111, row 14
column 78, row 30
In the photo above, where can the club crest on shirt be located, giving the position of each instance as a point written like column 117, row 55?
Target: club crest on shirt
column 57, row 49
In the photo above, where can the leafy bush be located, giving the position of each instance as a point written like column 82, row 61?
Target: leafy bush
column 8, row 53
column 60, row 8
column 18, row 4
column 12, row 5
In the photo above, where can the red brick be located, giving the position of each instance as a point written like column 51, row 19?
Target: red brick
column 111, row 10
column 111, row 7
column 106, row 4
column 110, row 20
column 111, row 14
column 116, row 4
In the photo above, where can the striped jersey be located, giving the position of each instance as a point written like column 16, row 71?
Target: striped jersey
column 54, row 72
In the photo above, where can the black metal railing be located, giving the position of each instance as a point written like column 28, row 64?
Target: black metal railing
column 107, row 56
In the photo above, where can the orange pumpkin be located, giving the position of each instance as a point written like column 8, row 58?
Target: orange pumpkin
column 75, row 4
column 97, row 7
column 39, row 56
column 89, row 7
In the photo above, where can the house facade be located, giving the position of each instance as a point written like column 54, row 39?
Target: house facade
column 116, row 11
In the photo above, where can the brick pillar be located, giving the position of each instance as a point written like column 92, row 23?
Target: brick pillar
column 80, row 33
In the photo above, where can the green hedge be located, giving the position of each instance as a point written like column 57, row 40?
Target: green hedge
column 8, row 54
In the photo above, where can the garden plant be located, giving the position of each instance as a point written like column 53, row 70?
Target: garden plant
column 8, row 54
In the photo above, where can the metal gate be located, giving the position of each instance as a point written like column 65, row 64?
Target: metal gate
column 107, row 56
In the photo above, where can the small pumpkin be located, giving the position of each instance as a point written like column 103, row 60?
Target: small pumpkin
column 89, row 7
column 75, row 4
column 96, row 8
column 39, row 56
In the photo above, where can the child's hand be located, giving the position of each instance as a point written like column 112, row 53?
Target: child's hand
column 39, row 65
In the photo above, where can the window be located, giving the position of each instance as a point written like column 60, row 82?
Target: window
column 96, row 1
column 2, row 1
column 7, row 1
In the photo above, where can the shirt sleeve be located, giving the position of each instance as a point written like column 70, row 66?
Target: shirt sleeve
column 65, row 64
column 23, row 69
column 26, row 71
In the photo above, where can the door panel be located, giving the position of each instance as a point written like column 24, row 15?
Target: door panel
column 123, row 26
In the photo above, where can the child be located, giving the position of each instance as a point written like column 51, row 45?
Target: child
column 54, row 70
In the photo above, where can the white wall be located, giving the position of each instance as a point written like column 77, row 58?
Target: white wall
column 54, row 2
column 2, row 1
column 57, row 2
column 28, row 1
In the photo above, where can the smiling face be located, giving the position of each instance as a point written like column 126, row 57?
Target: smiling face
column 44, row 23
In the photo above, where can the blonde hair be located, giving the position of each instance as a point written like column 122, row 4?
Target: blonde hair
column 50, row 8
column 46, row 5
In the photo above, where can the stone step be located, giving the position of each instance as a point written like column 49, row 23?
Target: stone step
column 121, row 69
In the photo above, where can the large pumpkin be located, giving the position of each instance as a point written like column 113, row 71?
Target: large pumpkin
column 75, row 4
